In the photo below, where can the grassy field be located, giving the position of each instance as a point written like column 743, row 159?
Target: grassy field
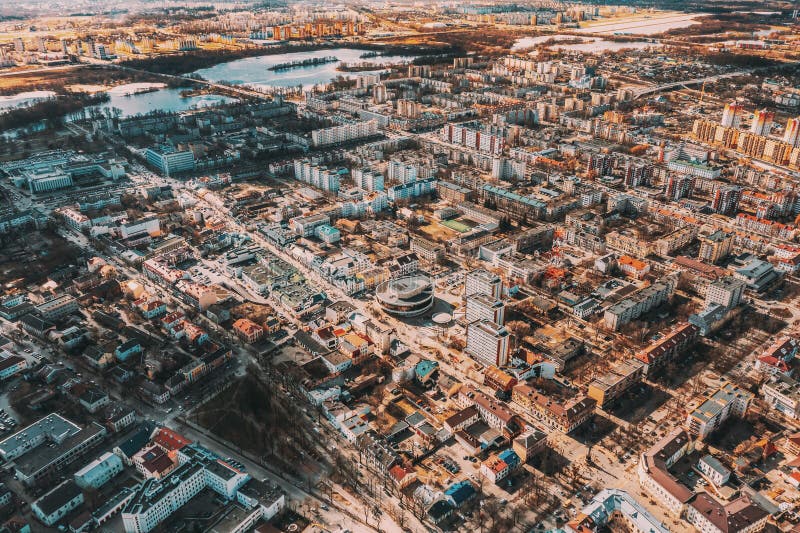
column 455, row 225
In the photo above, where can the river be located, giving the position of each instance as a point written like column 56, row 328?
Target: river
column 161, row 99
column 250, row 71
column 254, row 70
column 23, row 99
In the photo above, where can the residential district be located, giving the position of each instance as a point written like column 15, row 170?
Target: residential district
column 391, row 266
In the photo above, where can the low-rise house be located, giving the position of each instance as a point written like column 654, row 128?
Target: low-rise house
column 99, row 357
column 402, row 477
column 58, row 503
column 93, row 399
column 118, row 417
column 713, row 470
column 99, row 472
column 128, row 349
column 11, row 366
column 460, row 493
column 248, row 330
column 529, row 444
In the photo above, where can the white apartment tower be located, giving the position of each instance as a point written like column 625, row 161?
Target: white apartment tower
column 482, row 281
column 732, row 115
column 488, row 343
column 484, row 307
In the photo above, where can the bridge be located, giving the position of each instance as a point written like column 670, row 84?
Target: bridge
column 233, row 89
column 685, row 84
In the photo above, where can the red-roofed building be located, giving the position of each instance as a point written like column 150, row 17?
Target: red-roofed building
column 668, row 347
column 494, row 469
column 248, row 330
column 169, row 440
column 154, row 462
column 777, row 358
column 402, row 477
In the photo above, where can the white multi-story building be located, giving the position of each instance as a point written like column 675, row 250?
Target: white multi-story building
column 732, row 115
column 99, row 472
column 729, row 400
column 317, row 176
column 148, row 225
column 170, row 161
column 57, row 307
column 155, row 500
column 782, row 393
column 484, row 307
column 482, row 281
column 344, row 133
column 402, row 172
column 713, row 470
column 725, row 291
column 368, row 179
column 411, row 189
column 488, row 343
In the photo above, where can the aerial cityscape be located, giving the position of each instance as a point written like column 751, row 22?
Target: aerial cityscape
column 402, row 266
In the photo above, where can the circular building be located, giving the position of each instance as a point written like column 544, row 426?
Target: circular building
column 405, row 297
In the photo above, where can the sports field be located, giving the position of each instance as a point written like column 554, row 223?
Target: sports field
column 455, row 225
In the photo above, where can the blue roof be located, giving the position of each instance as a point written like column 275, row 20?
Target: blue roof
column 460, row 492
column 425, row 368
column 138, row 440
column 509, row 457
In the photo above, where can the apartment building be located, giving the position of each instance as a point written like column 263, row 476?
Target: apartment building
column 660, row 352
column 344, row 133
column 729, row 400
column 488, row 343
column 655, row 477
column 427, row 250
column 782, row 393
column 484, row 307
column 57, row 307
column 726, row 292
column 612, row 385
column 715, row 246
column 317, row 176
column 638, row 303
column 482, row 281
column 563, row 415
